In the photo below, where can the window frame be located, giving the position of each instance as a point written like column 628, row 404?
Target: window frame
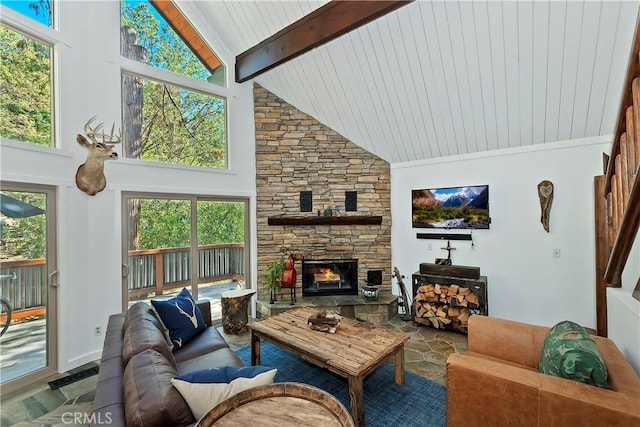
column 51, row 37
column 147, row 71
column 193, row 199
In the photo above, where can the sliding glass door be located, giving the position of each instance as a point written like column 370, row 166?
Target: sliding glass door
column 28, row 281
column 173, row 242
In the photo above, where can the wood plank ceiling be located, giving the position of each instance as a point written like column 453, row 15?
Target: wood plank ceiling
column 440, row 78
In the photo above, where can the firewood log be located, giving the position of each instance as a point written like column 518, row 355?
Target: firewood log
column 445, row 320
column 464, row 316
column 454, row 311
column 473, row 298
column 438, row 289
column 464, row 291
column 435, row 322
column 453, row 289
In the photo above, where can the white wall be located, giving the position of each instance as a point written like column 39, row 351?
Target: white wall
column 525, row 283
column 89, row 228
column 623, row 311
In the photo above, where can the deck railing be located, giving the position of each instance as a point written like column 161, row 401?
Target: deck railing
column 24, row 282
column 159, row 270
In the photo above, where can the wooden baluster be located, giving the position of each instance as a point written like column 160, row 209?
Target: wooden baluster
column 635, row 88
column 614, row 204
column 632, row 144
column 621, row 170
column 610, row 228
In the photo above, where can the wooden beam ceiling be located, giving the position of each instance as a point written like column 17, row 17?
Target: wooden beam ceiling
column 185, row 30
column 320, row 26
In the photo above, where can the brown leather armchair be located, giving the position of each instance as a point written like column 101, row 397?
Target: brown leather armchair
column 497, row 383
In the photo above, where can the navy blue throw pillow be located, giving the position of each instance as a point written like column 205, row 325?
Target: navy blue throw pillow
column 181, row 316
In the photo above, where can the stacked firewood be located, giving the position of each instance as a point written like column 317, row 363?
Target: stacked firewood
column 444, row 306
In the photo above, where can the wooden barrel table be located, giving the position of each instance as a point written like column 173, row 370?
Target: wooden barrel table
column 279, row 405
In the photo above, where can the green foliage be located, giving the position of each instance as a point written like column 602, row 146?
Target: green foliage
column 178, row 125
column 167, row 223
column 273, row 274
column 220, row 222
column 165, row 49
column 25, row 238
column 25, row 88
column 439, row 213
column 182, row 126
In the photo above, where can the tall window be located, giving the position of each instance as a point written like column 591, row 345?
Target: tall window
column 25, row 88
column 165, row 121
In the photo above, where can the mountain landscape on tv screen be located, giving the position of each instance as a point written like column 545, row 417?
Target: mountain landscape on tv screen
column 458, row 207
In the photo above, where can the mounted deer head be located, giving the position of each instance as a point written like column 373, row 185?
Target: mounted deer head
column 90, row 175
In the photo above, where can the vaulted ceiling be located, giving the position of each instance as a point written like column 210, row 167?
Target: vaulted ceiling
column 440, row 78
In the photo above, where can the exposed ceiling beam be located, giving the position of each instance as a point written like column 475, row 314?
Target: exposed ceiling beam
column 320, row 26
column 181, row 25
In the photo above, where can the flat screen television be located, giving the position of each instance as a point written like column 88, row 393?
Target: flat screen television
column 451, row 207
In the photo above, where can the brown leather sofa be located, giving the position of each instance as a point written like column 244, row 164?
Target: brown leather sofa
column 497, row 383
column 134, row 384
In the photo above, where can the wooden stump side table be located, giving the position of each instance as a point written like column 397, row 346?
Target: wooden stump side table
column 235, row 307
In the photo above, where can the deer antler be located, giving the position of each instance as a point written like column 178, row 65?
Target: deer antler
column 97, row 132
column 192, row 316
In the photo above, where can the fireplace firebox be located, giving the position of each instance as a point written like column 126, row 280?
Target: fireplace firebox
column 330, row 277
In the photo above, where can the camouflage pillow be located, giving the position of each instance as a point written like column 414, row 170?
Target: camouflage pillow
column 569, row 352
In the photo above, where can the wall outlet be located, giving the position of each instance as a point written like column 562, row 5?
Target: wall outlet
column 473, row 247
column 556, row 253
column 429, row 246
column 97, row 330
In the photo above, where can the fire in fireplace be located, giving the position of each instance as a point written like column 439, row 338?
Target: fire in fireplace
column 330, row 277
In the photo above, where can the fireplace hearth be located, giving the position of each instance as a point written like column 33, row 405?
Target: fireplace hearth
column 330, row 277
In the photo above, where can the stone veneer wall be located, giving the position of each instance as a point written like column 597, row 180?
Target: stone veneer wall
column 295, row 152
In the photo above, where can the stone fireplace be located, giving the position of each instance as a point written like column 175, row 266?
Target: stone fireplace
column 330, row 277
column 296, row 153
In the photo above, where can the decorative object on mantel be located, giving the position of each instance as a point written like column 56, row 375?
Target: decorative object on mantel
column 406, row 303
column 324, row 321
column 636, row 291
column 90, row 176
column 447, row 260
column 545, row 193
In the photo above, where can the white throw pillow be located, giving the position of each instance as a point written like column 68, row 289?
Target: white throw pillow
column 202, row 390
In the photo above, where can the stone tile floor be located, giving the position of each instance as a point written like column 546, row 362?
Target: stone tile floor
column 425, row 355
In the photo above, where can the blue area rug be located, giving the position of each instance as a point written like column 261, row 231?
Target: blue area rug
column 419, row 402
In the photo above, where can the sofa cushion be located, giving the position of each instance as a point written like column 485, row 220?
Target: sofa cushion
column 181, row 316
column 221, row 357
column 142, row 332
column 569, row 352
column 150, row 398
column 206, row 388
column 205, row 342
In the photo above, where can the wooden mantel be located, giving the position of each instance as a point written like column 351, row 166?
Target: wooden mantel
column 325, row 220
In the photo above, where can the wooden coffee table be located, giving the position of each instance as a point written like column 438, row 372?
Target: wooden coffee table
column 353, row 352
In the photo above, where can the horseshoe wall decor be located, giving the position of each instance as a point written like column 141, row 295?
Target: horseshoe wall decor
column 545, row 193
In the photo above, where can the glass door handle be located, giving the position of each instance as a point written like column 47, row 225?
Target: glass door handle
column 52, row 282
column 125, row 270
